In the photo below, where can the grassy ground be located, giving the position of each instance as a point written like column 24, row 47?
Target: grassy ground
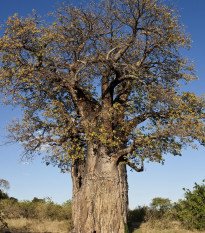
column 165, row 231
column 24, row 225
column 161, row 227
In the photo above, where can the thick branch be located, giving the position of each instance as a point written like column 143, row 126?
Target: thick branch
column 124, row 152
column 133, row 166
column 87, row 97
column 86, row 105
column 106, row 92
column 144, row 116
column 137, row 120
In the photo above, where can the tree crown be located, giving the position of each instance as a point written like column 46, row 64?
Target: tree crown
column 109, row 75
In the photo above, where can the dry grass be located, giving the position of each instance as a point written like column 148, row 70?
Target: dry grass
column 163, row 227
column 23, row 225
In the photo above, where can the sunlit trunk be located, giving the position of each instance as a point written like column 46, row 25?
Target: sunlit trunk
column 100, row 194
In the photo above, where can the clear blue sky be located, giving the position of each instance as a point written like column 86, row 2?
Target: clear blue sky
column 36, row 179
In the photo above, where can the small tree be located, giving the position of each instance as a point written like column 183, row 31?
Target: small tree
column 99, row 88
column 161, row 204
column 191, row 211
column 4, row 184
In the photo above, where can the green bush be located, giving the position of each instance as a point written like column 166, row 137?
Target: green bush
column 3, row 195
column 191, row 211
column 45, row 209
column 36, row 209
column 67, row 209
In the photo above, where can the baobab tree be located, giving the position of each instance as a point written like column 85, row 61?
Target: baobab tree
column 99, row 88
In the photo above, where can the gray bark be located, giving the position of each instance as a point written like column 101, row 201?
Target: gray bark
column 100, row 193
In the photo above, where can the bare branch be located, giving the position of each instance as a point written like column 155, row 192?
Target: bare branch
column 110, row 51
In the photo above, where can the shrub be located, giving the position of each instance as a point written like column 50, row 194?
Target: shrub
column 191, row 211
column 38, row 200
column 36, row 209
column 138, row 214
column 3, row 195
column 11, row 208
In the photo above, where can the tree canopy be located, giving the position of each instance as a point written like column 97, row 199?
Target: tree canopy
column 4, row 184
column 110, row 74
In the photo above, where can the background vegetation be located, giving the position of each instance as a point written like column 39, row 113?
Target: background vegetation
column 43, row 215
column 37, row 211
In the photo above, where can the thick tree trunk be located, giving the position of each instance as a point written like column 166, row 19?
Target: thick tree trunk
column 100, row 194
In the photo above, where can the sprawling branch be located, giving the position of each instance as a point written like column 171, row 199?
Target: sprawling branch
column 86, row 105
column 133, row 123
column 123, row 152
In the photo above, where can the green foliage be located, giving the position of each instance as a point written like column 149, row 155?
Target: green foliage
column 126, row 228
column 160, row 205
column 191, row 211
